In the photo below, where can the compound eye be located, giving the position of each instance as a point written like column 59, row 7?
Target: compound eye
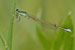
column 17, row 10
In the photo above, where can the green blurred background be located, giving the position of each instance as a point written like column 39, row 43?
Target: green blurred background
column 25, row 36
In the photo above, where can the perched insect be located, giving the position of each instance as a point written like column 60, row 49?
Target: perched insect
column 25, row 14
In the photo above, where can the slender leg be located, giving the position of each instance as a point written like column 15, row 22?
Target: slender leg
column 17, row 15
column 19, row 18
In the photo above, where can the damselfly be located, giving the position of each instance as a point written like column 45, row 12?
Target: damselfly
column 25, row 14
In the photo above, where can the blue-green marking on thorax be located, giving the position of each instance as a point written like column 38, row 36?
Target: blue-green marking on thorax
column 23, row 14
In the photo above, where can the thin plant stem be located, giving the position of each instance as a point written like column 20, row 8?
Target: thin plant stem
column 4, row 42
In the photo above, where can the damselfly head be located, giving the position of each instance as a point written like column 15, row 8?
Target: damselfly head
column 17, row 10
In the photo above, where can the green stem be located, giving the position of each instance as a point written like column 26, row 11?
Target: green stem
column 4, row 42
column 10, row 31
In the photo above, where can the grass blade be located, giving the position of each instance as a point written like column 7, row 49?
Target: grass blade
column 43, row 39
column 69, row 39
column 4, row 42
column 64, row 39
column 10, row 31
